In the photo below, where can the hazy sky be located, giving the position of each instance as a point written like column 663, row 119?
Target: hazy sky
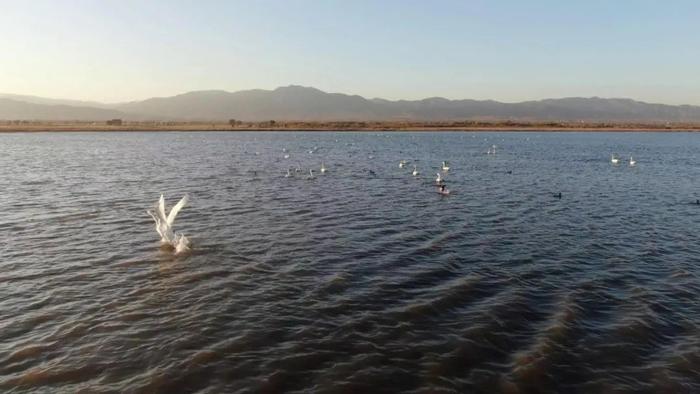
column 503, row 50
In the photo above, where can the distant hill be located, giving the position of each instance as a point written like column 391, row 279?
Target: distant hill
column 287, row 103
column 20, row 110
column 310, row 104
column 53, row 101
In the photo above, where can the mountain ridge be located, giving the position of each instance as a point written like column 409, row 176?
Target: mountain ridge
column 11, row 109
column 299, row 103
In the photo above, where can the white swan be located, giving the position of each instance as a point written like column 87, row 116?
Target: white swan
column 402, row 163
column 323, row 169
column 632, row 161
column 164, row 224
column 614, row 159
column 439, row 178
column 288, row 174
column 415, row 171
column 311, row 174
column 445, row 167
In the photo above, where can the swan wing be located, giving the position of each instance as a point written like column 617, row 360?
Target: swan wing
column 176, row 209
column 155, row 219
column 161, row 208
column 161, row 227
column 151, row 214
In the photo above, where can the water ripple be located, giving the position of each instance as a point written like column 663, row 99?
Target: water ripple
column 356, row 281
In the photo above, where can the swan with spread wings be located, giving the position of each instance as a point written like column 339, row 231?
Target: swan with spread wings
column 164, row 224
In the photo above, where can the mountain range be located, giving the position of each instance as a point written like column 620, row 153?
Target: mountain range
column 310, row 104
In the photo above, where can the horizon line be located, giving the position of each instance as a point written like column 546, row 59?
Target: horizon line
column 107, row 103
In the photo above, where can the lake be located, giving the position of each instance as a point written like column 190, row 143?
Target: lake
column 361, row 279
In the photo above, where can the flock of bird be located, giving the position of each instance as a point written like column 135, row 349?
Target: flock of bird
column 311, row 175
column 179, row 243
column 439, row 181
column 616, row 160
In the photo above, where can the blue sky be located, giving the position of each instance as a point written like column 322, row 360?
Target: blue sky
column 503, row 50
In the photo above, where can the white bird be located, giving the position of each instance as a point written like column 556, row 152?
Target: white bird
column 415, row 171
column 632, row 161
column 445, row 167
column 311, row 174
column 286, row 156
column 614, row 159
column 402, row 163
column 288, row 174
column 439, row 178
column 164, row 224
column 323, row 169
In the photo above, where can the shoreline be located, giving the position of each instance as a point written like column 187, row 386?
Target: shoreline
column 395, row 130
column 44, row 127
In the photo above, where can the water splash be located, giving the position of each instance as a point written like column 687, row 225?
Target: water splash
column 181, row 243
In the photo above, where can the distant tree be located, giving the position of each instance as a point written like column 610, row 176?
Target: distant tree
column 232, row 122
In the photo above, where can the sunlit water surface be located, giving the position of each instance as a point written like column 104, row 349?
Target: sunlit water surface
column 363, row 279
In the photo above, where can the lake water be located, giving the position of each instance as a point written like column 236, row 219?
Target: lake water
column 363, row 279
